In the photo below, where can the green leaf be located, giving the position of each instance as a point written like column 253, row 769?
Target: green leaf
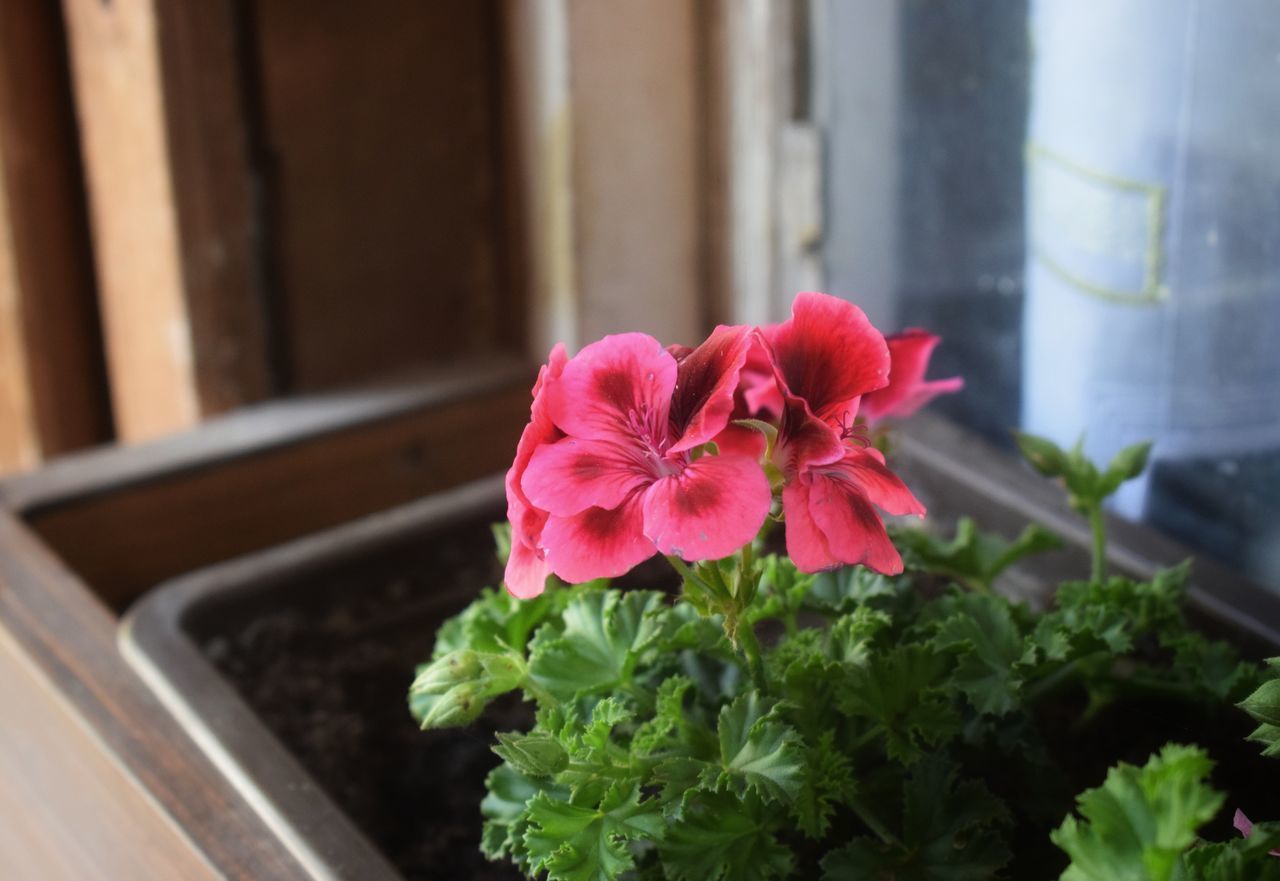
column 596, row 762
column 1043, row 454
column 1241, row 859
column 498, row 622
column 503, row 808
column 502, row 540
column 852, row 637
column 599, row 643
column 972, row 557
column 902, row 691
column 1269, row 737
column 1139, row 822
column 534, row 755
column 757, row 753
column 662, row 731
column 782, row 590
column 1125, row 465
column 828, row 781
column 990, row 645
column 949, row 833
column 578, row 843
column 1264, row 704
column 722, row 838
column 849, row 588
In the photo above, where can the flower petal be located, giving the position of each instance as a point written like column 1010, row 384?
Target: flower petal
column 739, row 440
column 597, row 543
column 828, row 354
column 852, row 528
column 527, row 571
column 705, row 383
column 710, row 509
column 806, row 545
column 865, row 469
column 572, row 475
column 907, row 391
column 804, row 440
column 526, row 519
column 620, row 385
column 758, row 393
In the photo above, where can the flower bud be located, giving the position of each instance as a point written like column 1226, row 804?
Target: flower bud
column 459, row 705
column 447, row 671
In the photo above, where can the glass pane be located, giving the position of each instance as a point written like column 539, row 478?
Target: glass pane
column 1083, row 198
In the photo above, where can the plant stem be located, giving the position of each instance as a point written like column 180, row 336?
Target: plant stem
column 1099, row 543
column 686, row 573
column 729, row 601
column 871, row 821
column 750, row 648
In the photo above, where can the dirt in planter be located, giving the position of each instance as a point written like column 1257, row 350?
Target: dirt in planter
column 326, row 662
column 328, row 669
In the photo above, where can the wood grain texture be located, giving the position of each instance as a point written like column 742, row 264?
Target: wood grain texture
column 143, row 779
column 215, row 188
column 52, row 383
column 164, row 141
column 634, row 87
column 382, row 122
column 128, row 538
column 71, row 813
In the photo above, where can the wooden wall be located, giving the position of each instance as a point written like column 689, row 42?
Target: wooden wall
column 208, row 205
column 52, row 388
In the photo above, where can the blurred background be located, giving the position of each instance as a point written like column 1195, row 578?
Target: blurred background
column 209, row 205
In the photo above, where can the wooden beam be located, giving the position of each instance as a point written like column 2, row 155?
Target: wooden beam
column 128, row 789
column 611, row 138
column 165, row 141
column 634, row 86
column 55, row 778
column 268, row 474
column 52, row 388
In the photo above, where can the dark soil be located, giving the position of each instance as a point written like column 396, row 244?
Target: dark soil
column 328, row 671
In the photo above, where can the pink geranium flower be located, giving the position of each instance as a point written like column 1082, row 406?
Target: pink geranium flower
column 907, row 390
column 628, row 477
column 826, row 358
column 527, row 568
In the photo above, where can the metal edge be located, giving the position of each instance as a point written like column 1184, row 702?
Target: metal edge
column 154, row 643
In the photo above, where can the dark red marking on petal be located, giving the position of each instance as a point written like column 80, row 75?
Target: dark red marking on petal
column 853, row 530
column 572, row 475
column 705, row 384
column 597, row 543
column 617, row 388
column 828, row 354
column 709, row 509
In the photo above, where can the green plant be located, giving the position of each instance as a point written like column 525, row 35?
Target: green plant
column 899, row 720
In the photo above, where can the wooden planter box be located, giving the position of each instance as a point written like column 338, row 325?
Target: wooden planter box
column 97, row 780
column 211, row 790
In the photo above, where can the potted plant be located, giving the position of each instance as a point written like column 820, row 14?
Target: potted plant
column 818, row 695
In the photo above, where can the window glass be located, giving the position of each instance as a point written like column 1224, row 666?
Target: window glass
column 1083, row 198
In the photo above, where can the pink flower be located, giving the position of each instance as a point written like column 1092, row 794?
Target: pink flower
column 826, row 357
column 625, row 479
column 907, row 390
column 1245, row 827
column 527, row 568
